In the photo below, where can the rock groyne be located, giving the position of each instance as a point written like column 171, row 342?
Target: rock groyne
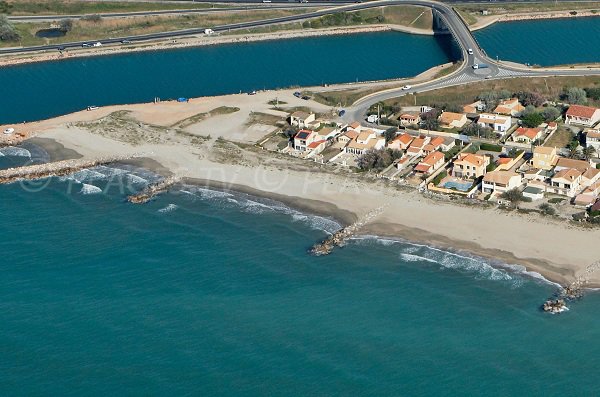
column 152, row 190
column 56, row 168
column 339, row 238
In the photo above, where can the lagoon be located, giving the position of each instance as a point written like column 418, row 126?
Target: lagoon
column 44, row 90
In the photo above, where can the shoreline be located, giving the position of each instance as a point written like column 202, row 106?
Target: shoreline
column 347, row 197
column 203, row 40
column 533, row 268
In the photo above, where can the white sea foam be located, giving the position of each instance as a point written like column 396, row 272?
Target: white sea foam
column 90, row 189
column 87, row 175
column 416, row 258
column 255, row 205
column 460, row 261
column 138, row 180
column 15, row 152
column 168, row 208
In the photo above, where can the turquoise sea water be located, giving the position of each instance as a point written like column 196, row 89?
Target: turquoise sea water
column 543, row 42
column 48, row 89
column 210, row 293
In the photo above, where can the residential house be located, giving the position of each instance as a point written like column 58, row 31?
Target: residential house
column 527, row 135
column 430, row 163
column 592, row 139
column 470, row 166
column 314, row 124
column 354, row 126
column 474, row 107
column 409, row 119
column 590, row 177
column 401, row 142
column 509, row 107
column 328, row 132
column 536, row 174
column 498, row 123
column 300, row 119
column 449, row 143
column 434, row 144
column 583, row 115
column 588, row 196
column 347, row 136
column 564, row 163
column 544, row 157
column 453, row 120
column 316, row 147
column 534, row 192
column 566, row 182
column 304, row 138
column 416, row 146
column 366, row 140
column 498, row 182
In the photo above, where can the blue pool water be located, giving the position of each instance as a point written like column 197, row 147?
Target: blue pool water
column 463, row 187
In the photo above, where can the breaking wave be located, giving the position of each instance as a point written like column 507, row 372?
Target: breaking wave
column 90, row 189
column 256, row 205
column 168, row 208
column 15, row 152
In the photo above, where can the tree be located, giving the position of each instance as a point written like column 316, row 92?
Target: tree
column 390, row 134
column 530, row 98
column 573, row 149
column 547, row 209
column 532, row 120
column 588, row 152
column 66, row 25
column 575, row 95
column 377, row 159
column 514, row 196
column 550, row 113
column 8, row 32
column 479, row 131
column 429, row 120
column 529, row 109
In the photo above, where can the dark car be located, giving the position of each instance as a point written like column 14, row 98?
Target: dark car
column 306, row 97
column 125, row 41
column 297, row 94
column 341, row 112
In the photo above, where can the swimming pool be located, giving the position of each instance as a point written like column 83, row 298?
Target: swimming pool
column 462, row 186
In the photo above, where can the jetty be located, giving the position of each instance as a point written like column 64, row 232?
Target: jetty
column 339, row 238
column 152, row 190
column 571, row 292
column 56, row 168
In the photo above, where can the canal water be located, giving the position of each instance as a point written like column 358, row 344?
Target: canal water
column 544, row 42
column 43, row 90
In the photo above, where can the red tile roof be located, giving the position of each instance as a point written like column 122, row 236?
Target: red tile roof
column 581, row 111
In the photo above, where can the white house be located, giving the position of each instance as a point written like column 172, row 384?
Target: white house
column 592, row 139
column 301, row 119
column 583, row 115
column 498, row 182
column 496, row 122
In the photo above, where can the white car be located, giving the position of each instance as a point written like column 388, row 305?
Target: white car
column 470, row 51
column 407, row 87
column 97, row 44
column 476, row 66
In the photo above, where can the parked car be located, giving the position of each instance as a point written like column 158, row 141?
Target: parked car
column 306, row 97
column 407, row 87
column 298, row 94
column 341, row 112
column 470, row 51
column 125, row 41
column 476, row 66
column 97, row 44
column 252, row 93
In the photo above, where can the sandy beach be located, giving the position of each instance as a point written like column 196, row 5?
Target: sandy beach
column 228, row 160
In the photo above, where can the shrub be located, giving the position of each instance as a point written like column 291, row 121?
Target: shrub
column 575, row 95
column 547, row 209
column 550, row 113
column 438, row 178
column 490, row 147
column 92, row 18
column 8, row 32
column 556, row 200
column 514, row 196
column 532, row 120
column 580, row 216
column 66, row 25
